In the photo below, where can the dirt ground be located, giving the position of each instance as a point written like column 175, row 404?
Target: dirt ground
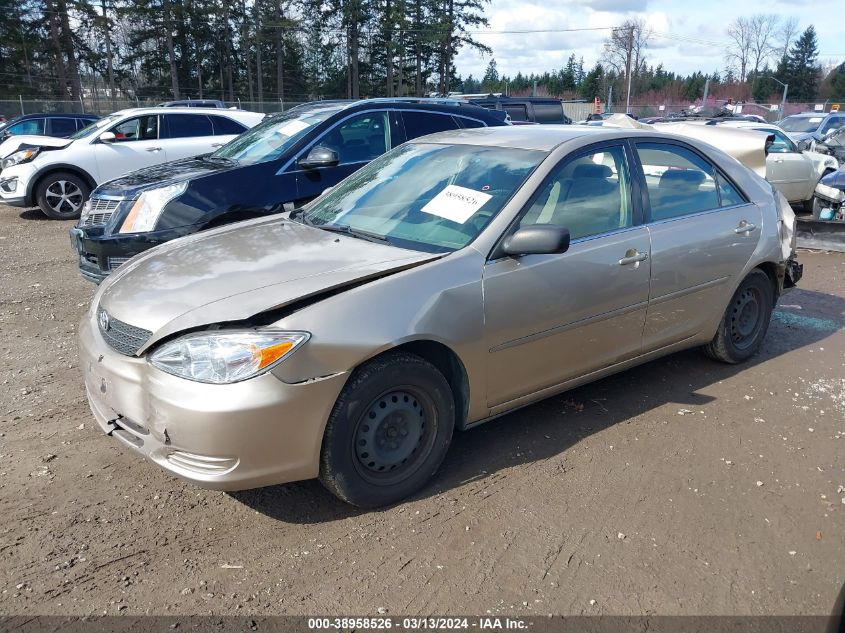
column 680, row 487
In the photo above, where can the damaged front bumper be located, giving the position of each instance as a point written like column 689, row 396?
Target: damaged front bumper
column 249, row 434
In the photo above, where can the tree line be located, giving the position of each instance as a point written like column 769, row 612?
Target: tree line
column 296, row 50
column 255, row 50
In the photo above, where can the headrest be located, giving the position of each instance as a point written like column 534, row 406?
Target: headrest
column 685, row 177
column 591, row 170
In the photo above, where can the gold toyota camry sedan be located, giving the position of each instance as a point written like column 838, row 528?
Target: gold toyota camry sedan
column 456, row 278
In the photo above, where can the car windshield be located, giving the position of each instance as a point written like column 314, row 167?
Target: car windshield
column 96, row 126
column 269, row 139
column 427, row 197
column 801, row 123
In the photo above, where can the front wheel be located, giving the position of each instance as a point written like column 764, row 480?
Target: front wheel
column 745, row 322
column 61, row 195
column 388, row 432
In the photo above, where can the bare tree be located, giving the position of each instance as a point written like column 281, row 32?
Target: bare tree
column 739, row 46
column 763, row 32
column 786, row 33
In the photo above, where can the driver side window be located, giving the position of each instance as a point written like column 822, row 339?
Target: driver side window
column 781, row 144
column 142, row 128
column 359, row 139
column 588, row 195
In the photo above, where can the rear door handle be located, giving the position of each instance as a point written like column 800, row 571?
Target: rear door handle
column 153, row 149
column 745, row 227
column 633, row 257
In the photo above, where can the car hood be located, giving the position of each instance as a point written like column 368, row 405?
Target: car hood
column 836, row 179
column 237, row 271
column 132, row 184
column 822, row 162
column 11, row 144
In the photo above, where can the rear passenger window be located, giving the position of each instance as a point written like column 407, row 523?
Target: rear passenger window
column 517, row 112
column 224, row 125
column 588, row 195
column 61, row 127
column 187, row 125
column 679, row 181
column 422, row 123
column 728, row 194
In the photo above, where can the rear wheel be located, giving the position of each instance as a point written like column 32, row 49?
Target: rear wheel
column 745, row 322
column 388, row 432
column 61, row 195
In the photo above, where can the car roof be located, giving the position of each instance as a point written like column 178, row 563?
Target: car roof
column 534, row 137
column 178, row 110
column 809, row 115
column 55, row 115
column 453, row 106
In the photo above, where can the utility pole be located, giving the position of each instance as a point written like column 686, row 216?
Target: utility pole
column 628, row 60
column 706, row 93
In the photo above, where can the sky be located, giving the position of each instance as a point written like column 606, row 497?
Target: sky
column 689, row 35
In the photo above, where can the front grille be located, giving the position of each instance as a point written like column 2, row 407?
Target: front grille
column 100, row 212
column 121, row 337
column 114, row 262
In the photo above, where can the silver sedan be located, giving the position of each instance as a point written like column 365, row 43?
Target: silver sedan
column 452, row 280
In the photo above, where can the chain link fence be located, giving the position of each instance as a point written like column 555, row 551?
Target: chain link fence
column 102, row 106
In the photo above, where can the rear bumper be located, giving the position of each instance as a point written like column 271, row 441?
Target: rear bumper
column 254, row 433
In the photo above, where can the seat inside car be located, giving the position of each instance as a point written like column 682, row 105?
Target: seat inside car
column 679, row 191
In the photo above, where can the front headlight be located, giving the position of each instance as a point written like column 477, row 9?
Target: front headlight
column 21, row 156
column 148, row 207
column 226, row 356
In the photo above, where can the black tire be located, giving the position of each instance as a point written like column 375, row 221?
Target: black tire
column 388, row 432
column 745, row 322
column 60, row 195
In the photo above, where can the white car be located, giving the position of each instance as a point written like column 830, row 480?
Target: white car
column 792, row 172
column 58, row 174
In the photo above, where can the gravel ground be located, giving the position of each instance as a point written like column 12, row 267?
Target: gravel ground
column 680, row 487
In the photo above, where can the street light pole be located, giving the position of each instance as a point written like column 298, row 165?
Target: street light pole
column 783, row 100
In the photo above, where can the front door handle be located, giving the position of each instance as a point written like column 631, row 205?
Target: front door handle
column 153, row 149
column 632, row 256
column 745, row 228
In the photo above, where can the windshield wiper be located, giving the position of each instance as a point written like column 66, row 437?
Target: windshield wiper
column 348, row 230
column 222, row 159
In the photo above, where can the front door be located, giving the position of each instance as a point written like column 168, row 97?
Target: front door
column 551, row 318
column 703, row 232
column 357, row 140
column 136, row 145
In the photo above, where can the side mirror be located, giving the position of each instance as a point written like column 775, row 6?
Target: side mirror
column 319, row 157
column 541, row 239
column 107, row 137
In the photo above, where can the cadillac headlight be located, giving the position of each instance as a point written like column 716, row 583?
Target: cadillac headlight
column 226, row 356
column 148, row 207
column 20, row 157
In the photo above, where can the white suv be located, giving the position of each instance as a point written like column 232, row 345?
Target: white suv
column 58, row 174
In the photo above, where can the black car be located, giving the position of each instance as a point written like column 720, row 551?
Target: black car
column 526, row 109
column 280, row 164
column 46, row 124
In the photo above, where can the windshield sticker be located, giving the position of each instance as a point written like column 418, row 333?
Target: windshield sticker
column 457, row 204
column 816, row 119
column 290, row 128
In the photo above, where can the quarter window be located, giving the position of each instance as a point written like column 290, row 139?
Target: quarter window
column 360, row 139
column 548, row 113
column 679, row 182
column 728, row 194
column 142, row 128
column 588, row 195
column 187, row 126
column 517, row 112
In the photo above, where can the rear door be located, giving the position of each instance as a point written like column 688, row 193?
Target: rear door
column 225, row 129
column 187, row 134
column 136, row 145
column 703, row 232
column 788, row 169
column 419, row 123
